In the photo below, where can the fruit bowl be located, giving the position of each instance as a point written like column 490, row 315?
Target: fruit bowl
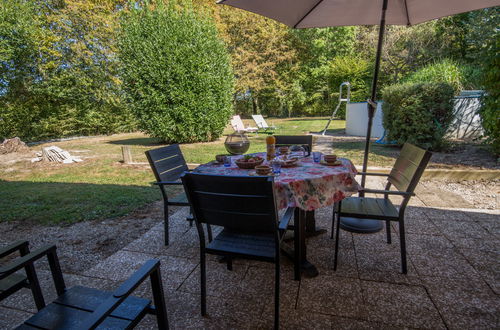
column 249, row 162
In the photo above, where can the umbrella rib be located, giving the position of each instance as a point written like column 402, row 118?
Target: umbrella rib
column 407, row 14
column 307, row 14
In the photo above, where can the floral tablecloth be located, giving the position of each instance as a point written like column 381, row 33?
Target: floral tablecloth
column 308, row 185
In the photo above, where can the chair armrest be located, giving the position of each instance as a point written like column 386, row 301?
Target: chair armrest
column 16, row 246
column 388, row 192
column 167, row 183
column 119, row 295
column 137, row 278
column 285, row 219
column 28, row 259
column 373, row 174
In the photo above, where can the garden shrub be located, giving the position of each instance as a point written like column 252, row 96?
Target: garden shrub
column 355, row 70
column 176, row 72
column 418, row 113
column 445, row 71
column 490, row 110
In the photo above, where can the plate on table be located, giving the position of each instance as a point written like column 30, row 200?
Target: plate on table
column 336, row 163
column 289, row 162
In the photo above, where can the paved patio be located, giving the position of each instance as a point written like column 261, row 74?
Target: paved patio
column 453, row 278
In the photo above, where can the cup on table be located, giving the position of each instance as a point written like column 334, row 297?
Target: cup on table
column 227, row 161
column 276, row 165
column 317, row 156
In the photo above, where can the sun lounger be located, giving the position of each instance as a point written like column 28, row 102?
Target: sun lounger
column 262, row 124
column 238, row 126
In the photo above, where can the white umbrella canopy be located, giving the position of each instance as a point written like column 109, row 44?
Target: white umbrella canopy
column 325, row 13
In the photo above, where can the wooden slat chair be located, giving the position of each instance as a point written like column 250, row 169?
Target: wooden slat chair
column 86, row 308
column 305, row 141
column 14, row 282
column 404, row 176
column 245, row 207
column 168, row 164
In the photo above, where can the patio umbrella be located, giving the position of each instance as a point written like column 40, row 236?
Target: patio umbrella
column 326, row 13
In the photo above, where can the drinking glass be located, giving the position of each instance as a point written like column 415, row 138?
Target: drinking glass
column 317, row 156
column 276, row 165
column 227, row 161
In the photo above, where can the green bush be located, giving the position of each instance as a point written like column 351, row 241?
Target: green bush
column 490, row 110
column 357, row 71
column 445, row 71
column 418, row 113
column 176, row 72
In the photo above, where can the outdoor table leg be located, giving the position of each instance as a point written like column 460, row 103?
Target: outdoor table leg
column 306, row 267
column 311, row 230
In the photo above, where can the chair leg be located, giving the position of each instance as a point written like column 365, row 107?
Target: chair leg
column 159, row 299
column 388, row 231
column 35, row 287
column 337, row 230
column 296, row 246
column 165, row 216
column 333, row 219
column 277, row 295
column 402, row 240
column 229, row 263
column 203, row 273
column 209, row 232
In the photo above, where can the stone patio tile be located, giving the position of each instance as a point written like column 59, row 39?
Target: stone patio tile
column 493, row 227
column 359, row 324
column 119, row 266
column 259, row 284
column 385, row 266
column 187, row 246
column 331, row 295
column 461, row 229
column 446, row 263
column 152, row 242
column 23, row 299
column 487, row 265
column 399, row 304
column 291, row 318
column 223, row 312
column 375, row 243
column 486, row 243
column 464, row 304
column 220, row 281
column 421, row 243
column 346, row 263
column 482, row 214
column 11, row 318
column 417, row 222
column 436, row 214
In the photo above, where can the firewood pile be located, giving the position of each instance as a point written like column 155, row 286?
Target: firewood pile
column 56, row 154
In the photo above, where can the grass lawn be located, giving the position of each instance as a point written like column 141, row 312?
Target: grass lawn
column 102, row 187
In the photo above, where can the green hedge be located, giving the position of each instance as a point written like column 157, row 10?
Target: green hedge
column 490, row 110
column 418, row 113
column 176, row 72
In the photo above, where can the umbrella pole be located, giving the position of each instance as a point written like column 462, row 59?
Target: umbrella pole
column 372, row 105
column 358, row 225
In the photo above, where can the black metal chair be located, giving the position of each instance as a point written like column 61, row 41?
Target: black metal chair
column 290, row 140
column 404, row 176
column 246, row 208
column 11, row 283
column 168, row 164
column 85, row 308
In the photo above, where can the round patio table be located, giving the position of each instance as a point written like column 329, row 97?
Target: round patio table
column 307, row 186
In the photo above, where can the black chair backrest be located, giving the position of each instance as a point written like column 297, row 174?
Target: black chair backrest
column 409, row 167
column 235, row 202
column 290, row 140
column 167, row 163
